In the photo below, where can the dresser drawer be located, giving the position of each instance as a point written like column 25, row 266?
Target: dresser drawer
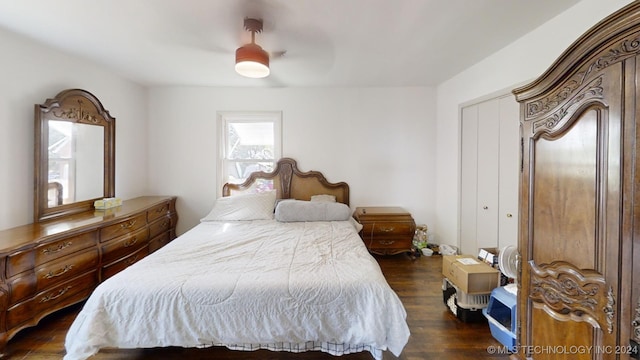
column 159, row 226
column 26, row 260
column 158, row 211
column 57, row 249
column 114, row 268
column 66, row 268
column 123, row 227
column 159, row 241
column 20, row 261
column 63, row 265
column 57, row 297
column 124, row 245
column 390, row 228
column 21, row 287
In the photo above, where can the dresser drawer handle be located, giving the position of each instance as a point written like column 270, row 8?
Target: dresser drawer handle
column 128, row 224
column 131, row 260
column 386, row 242
column 54, row 249
column 162, row 209
column 50, row 297
column 131, row 242
column 51, row 274
column 387, row 229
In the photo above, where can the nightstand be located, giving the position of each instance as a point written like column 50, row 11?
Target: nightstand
column 386, row 230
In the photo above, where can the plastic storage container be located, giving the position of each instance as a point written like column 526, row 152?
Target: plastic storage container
column 501, row 314
column 466, row 307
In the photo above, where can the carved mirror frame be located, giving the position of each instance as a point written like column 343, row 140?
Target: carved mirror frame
column 76, row 106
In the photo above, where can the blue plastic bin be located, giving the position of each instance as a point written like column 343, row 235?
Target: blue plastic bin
column 502, row 317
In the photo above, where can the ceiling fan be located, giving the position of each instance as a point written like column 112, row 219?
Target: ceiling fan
column 251, row 60
column 300, row 51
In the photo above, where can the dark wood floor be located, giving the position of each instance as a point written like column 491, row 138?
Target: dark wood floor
column 435, row 332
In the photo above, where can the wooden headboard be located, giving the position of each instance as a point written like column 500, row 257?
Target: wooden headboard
column 291, row 183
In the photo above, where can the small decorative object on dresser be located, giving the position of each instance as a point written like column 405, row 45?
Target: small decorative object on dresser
column 386, row 230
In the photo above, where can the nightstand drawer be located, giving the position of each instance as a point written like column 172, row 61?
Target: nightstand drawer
column 388, row 243
column 388, row 229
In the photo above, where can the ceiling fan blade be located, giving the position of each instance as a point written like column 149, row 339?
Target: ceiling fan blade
column 277, row 54
column 300, row 47
column 274, row 81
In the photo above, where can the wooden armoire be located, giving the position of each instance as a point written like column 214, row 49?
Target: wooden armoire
column 579, row 234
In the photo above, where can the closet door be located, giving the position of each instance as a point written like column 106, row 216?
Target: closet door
column 509, row 172
column 489, row 174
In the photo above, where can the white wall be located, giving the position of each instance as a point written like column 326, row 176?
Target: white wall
column 515, row 64
column 379, row 140
column 29, row 74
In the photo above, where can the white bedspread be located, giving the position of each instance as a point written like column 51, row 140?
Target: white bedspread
column 248, row 285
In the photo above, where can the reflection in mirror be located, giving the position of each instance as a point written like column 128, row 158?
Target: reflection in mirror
column 75, row 162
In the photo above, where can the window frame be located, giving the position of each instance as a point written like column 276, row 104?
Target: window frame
column 225, row 118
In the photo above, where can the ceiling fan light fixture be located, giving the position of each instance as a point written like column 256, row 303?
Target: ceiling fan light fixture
column 252, row 61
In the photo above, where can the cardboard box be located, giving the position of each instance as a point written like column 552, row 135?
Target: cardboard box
column 469, row 274
column 489, row 256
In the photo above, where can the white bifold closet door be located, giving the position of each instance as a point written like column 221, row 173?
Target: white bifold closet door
column 490, row 157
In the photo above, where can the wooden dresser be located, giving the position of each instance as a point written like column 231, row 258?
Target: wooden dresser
column 386, row 230
column 49, row 265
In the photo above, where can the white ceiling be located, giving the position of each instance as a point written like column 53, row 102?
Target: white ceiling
column 327, row 42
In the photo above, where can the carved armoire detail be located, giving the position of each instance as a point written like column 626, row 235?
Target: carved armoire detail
column 579, row 291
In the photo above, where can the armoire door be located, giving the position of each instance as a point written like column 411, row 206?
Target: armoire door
column 579, row 191
column 489, row 174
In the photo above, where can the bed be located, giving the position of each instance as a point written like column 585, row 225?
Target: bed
column 276, row 265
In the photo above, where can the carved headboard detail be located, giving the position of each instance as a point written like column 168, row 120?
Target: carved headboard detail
column 291, row 183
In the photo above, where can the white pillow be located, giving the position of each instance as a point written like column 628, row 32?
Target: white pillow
column 323, row 197
column 243, row 207
column 299, row 210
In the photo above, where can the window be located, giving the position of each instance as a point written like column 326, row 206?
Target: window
column 62, row 163
column 248, row 142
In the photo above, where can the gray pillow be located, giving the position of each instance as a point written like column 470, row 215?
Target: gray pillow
column 299, row 210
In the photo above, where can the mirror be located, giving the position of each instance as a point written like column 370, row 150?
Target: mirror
column 76, row 170
column 74, row 154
